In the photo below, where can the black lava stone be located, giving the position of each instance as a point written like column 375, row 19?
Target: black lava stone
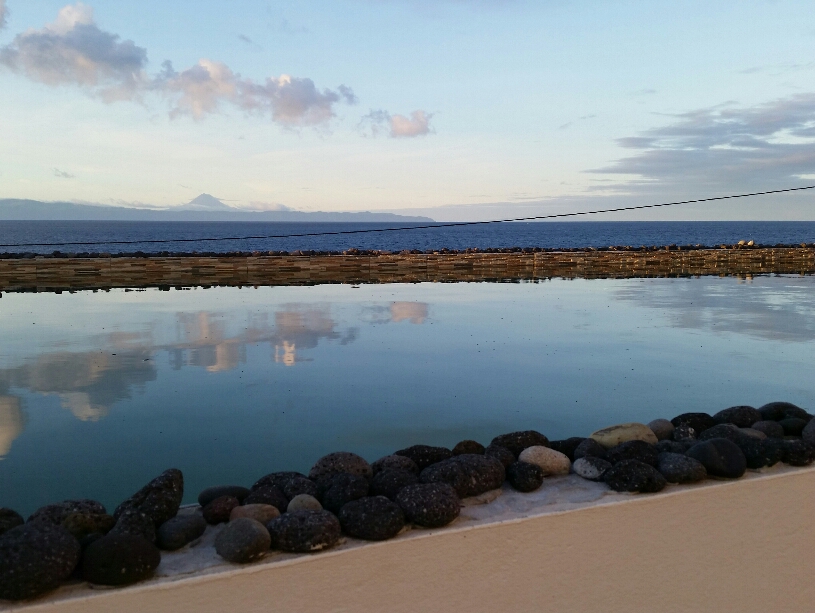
column 9, row 519
column 741, row 416
column 35, row 558
column 304, row 531
column 683, row 433
column 776, row 411
column 341, row 489
column 698, row 421
column 211, row 493
column 425, row 455
column 469, row 474
column 395, row 461
column 268, row 494
column 524, row 477
column 135, row 523
column 56, row 513
column 721, row 457
column 502, row 454
column 373, row 518
column 679, row 468
column 633, row 450
column 388, row 482
column 119, row 559
column 468, row 446
column 159, row 499
column 771, row 428
column 277, row 479
column 300, row 485
column 634, row 476
column 589, row 447
column 793, row 426
column 219, row 510
column 567, row 446
column 516, row 442
column 799, row 453
column 340, row 462
column 431, row 505
column 180, row 530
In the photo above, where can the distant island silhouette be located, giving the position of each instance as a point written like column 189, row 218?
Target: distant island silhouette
column 202, row 208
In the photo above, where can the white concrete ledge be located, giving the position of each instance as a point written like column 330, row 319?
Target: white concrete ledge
column 743, row 546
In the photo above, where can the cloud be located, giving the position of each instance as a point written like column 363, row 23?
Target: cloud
column 398, row 126
column 63, row 175
column 291, row 101
column 73, row 50
column 3, row 14
column 727, row 147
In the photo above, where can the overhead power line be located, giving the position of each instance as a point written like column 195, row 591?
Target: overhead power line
column 407, row 228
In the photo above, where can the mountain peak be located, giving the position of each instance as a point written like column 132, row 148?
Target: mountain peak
column 206, row 202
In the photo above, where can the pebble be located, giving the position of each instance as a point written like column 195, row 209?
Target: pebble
column 551, row 462
column 268, row 494
column 679, row 468
column 304, row 531
column 633, row 450
column 83, row 524
column 303, row 502
column 698, row 421
column 219, row 510
column 469, row 474
column 277, row 479
column 388, row 482
column 741, row 416
column 34, row 559
column 591, row 467
column 622, row 433
column 567, row 446
column 425, row 455
column 663, row 429
column 808, row 434
column 341, row 489
column 674, row 446
column 373, row 518
column 264, row 513
column 776, row 411
column 793, row 426
column 431, row 505
column 9, row 518
column 721, row 457
column 799, row 453
column 771, row 428
column 340, row 462
column 684, row 433
column 761, row 453
column 516, row 442
column 211, row 493
column 56, row 513
column 728, row 431
column 524, row 477
column 159, row 499
column 300, row 485
column 468, row 446
column 179, row 531
column 135, row 523
column 589, row 447
column 243, row 540
column 502, row 454
column 753, row 433
column 395, row 461
column 119, row 559
column 634, row 476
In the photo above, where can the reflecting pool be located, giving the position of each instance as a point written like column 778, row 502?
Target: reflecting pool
column 99, row 392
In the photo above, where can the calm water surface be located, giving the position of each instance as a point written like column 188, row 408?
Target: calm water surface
column 99, row 392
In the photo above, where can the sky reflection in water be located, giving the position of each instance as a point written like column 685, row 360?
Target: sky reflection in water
column 101, row 391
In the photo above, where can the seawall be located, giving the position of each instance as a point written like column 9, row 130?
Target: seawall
column 49, row 273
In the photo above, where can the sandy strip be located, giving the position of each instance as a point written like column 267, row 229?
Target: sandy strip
column 572, row 546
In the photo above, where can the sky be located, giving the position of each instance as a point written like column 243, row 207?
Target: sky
column 456, row 109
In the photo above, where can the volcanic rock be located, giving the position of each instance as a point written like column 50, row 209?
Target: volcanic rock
column 268, row 494
column 243, row 540
column 567, row 446
column 741, row 416
column 698, row 421
column 502, row 454
column 425, row 455
column 159, row 499
column 589, row 447
column 305, row 531
column 721, row 457
column 264, row 513
column 524, row 477
column 634, row 476
column 679, row 468
column 211, row 493
column 469, row 474
column 9, row 519
column 388, row 482
column 633, row 450
column 516, row 442
column 303, row 502
column 119, row 559
column 56, row 513
column 81, row 525
column 219, row 510
column 179, row 531
column 431, row 505
column 395, row 461
column 468, row 446
column 373, row 518
column 340, row 489
column 771, row 428
column 340, row 462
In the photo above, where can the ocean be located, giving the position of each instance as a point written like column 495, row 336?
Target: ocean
column 501, row 235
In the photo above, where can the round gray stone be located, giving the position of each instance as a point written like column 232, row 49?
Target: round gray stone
column 662, row 428
column 243, row 540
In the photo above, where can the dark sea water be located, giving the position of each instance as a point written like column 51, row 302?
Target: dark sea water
column 533, row 234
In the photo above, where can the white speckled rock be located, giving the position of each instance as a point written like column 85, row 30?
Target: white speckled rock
column 662, row 428
column 264, row 513
column 622, row 433
column 303, row 502
column 550, row 461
